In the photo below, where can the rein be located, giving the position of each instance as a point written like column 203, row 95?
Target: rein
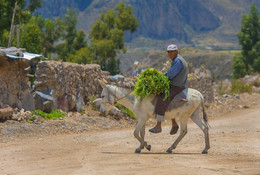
column 114, row 94
column 117, row 99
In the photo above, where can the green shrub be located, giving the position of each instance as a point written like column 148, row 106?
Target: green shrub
column 240, row 87
column 83, row 112
column 92, row 98
column 150, row 82
column 126, row 110
column 94, row 107
column 55, row 114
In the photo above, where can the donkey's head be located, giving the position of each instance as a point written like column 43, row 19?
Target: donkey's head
column 112, row 94
column 107, row 95
column 106, row 102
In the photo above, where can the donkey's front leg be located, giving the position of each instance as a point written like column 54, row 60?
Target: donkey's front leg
column 183, row 132
column 140, row 131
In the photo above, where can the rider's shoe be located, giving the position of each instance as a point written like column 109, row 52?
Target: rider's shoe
column 155, row 130
column 174, row 129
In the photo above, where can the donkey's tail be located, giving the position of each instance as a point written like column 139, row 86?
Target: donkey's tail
column 205, row 117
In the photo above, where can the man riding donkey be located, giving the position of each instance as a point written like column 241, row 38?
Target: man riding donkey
column 177, row 74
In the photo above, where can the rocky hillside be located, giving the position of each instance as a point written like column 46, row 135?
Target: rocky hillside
column 218, row 62
column 198, row 22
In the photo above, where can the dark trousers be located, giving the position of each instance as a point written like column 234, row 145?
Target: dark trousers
column 162, row 105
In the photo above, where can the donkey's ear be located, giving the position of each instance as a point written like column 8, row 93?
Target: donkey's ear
column 102, row 83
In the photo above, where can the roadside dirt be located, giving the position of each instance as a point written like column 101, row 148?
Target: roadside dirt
column 109, row 149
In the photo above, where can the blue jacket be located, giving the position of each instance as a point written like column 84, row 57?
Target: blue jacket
column 178, row 72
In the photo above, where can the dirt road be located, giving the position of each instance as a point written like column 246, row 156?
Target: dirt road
column 235, row 149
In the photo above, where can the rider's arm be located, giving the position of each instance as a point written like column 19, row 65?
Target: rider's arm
column 175, row 68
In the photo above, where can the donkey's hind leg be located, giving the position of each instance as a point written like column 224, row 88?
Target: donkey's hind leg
column 139, row 135
column 183, row 132
column 204, row 127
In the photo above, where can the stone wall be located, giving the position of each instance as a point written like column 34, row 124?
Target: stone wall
column 201, row 80
column 66, row 86
column 14, row 84
column 204, row 85
column 57, row 85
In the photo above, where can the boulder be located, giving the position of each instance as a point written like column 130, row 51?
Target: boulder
column 80, row 105
column 116, row 112
column 44, row 101
column 252, row 79
column 6, row 113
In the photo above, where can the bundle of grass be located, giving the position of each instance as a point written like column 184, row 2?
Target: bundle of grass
column 150, row 82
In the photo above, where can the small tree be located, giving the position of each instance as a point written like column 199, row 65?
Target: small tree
column 74, row 39
column 31, row 37
column 239, row 67
column 249, row 39
column 50, row 31
column 107, row 36
column 22, row 15
column 82, row 56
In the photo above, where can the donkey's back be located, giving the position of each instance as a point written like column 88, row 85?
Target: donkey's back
column 177, row 108
column 185, row 108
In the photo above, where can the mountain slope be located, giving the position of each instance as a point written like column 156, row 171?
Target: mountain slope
column 203, row 23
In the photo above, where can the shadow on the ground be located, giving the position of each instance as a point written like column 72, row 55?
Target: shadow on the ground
column 147, row 153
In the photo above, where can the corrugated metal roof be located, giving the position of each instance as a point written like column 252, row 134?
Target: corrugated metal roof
column 26, row 55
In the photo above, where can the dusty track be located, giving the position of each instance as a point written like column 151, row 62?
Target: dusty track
column 235, row 149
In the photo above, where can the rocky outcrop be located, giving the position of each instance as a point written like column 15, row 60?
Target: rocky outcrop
column 252, row 79
column 49, row 9
column 161, row 20
column 167, row 19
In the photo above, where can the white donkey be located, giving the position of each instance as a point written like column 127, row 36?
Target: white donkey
column 143, row 109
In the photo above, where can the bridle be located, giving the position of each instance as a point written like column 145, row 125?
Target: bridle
column 114, row 94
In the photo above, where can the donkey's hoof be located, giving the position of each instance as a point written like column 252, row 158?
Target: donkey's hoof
column 137, row 151
column 204, row 152
column 169, row 150
column 148, row 147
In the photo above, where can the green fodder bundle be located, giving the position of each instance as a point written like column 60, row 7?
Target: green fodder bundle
column 150, row 82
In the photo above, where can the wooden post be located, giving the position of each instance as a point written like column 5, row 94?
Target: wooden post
column 17, row 35
column 12, row 27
